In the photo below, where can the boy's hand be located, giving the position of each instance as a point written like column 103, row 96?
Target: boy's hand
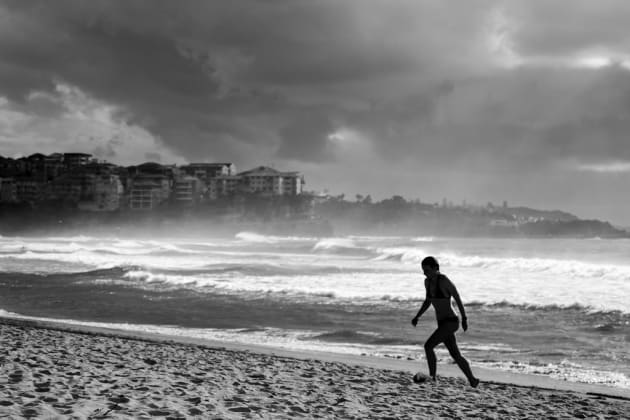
column 414, row 321
column 465, row 323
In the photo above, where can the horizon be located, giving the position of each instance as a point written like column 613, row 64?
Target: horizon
column 478, row 102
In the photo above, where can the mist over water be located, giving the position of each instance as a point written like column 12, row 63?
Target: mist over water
column 556, row 307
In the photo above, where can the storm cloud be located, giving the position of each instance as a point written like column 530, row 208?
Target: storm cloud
column 478, row 101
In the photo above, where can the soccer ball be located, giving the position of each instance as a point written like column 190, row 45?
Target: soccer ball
column 420, row 378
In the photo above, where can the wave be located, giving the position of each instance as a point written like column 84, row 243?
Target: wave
column 201, row 275
column 116, row 248
column 269, row 239
column 78, row 238
column 424, row 239
column 565, row 371
column 612, row 317
column 342, row 246
column 557, row 267
column 402, row 254
column 363, row 337
column 335, row 243
column 254, row 237
column 111, row 272
column 321, row 284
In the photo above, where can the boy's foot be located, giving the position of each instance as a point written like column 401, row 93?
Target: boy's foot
column 474, row 383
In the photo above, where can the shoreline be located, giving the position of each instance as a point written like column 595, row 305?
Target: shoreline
column 451, row 371
column 51, row 370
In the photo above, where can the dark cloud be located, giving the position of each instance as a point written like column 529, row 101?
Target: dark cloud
column 306, row 138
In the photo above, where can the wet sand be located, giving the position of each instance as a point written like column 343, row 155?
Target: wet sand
column 50, row 371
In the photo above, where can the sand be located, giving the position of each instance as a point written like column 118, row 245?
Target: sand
column 49, row 371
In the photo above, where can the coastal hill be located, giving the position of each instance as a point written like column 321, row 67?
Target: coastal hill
column 397, row 215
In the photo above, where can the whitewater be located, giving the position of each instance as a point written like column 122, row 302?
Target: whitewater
column 353, row 294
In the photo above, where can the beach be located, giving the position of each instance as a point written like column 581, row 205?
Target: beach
column 60, row 371
column 350, row 295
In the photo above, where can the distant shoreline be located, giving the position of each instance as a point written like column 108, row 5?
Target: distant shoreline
column 135, row 226
column 333, row 218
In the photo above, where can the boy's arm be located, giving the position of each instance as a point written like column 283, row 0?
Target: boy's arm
column 425, row 305
column 460, row 306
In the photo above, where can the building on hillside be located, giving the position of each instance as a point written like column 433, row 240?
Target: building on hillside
column 148, row 191
column 36, row 158
column 53, row 167
column 21, row 166
column 152, row 168
column 187, row 191
column 77, row 186
column 269, row 181
column 223, row 185
column 107, row 193
column 8, row 167
column 207, row 171
column 55, row 158
column 41, row 167
column 72, row 160
column 29, row 190
column 292, row 183
column 262, row 180
column 98, row 168
column 8, row 190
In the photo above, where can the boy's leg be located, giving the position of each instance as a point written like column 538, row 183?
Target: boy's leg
column 451, row 344
column 436, row 338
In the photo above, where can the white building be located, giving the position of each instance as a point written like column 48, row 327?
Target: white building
column 262, row 180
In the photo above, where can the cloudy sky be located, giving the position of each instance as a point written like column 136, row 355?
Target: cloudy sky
column 526, row 101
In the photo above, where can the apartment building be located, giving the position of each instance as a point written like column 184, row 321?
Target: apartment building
column 107, row 193
column 8, row 167
column 72, row 187
column 148, row 191
column 269, row 181
column 8, row 190
column 187, row 191
column 72, row 160
column 206, row 171
column 29, row 190
column 262, row 180
column 223, row 185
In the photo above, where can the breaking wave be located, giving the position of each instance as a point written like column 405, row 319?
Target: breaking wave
column 557, row 267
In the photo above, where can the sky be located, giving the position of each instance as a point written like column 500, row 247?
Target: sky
column 477, row 100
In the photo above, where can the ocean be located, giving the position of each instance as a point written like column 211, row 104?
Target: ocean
column 553, row 307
